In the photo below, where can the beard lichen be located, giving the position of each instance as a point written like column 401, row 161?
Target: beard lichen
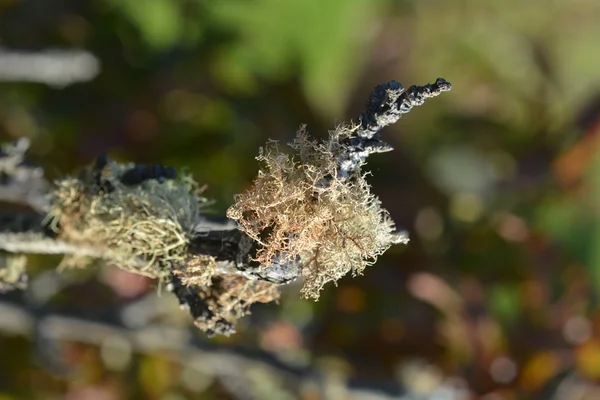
column 299, row 207
column 143, row 228
column 228, row 299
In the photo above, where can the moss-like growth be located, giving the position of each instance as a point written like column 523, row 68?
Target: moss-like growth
column 300, row 208
column 144, row 228
column 145, row 225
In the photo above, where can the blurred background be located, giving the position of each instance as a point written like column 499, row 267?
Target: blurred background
column 497, row 182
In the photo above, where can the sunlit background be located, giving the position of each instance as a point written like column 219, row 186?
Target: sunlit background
column 497, row 183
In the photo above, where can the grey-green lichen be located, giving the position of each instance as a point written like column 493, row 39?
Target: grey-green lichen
column 144, row 228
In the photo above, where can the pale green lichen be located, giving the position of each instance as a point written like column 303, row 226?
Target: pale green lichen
column 144, row 228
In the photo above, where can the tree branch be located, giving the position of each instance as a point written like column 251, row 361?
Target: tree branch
column 20, row 182
column 217, row 255
column 223, row 362
column 385, row 107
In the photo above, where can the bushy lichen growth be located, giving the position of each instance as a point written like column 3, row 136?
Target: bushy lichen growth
column 143, row 227
column 228, row 299
column 310, row 211
column 300, row 208
column 196, row 271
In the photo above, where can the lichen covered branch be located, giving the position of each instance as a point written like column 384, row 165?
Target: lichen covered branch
column 310, row 212
column 298, row 210
column 314, row 206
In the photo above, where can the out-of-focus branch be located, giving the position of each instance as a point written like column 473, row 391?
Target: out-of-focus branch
column 223, row 362
column 25, row 233
column 52, row 67
column 20, row 182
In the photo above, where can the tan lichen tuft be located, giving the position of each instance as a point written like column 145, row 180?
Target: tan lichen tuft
column 300, row 207
column 229, row 298
column 143, row 228
column 198, row 271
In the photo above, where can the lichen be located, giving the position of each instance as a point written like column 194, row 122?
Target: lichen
column 228, row 299
column 144, row 228
column 299, row 207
